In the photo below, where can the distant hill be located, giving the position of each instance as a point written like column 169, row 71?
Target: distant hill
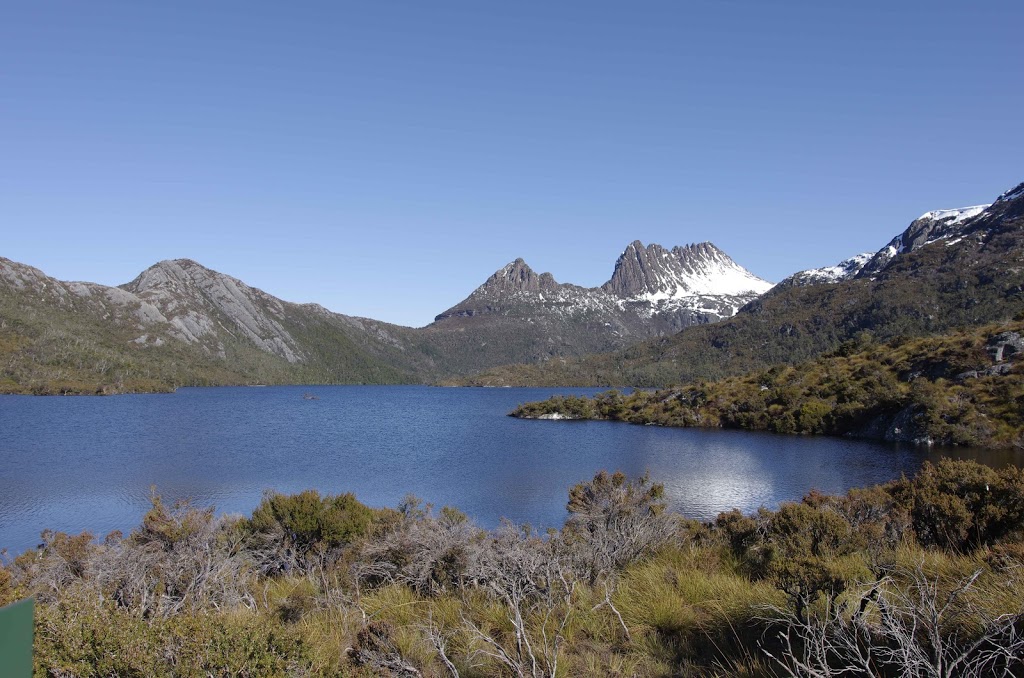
column 180, row 323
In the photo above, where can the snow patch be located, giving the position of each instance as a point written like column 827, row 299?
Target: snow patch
column 715, row 278
column 842, row 271
column 955, row 216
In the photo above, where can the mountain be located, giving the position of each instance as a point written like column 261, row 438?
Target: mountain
column 518, row 315
column 949, row 269
column 180, row 323
column 673, row 288
column 683, row 286
column 930, row 227
column 844, row 270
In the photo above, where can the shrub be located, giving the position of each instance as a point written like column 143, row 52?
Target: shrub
column 6, row 589
column 614, row 520
column 963, row 504
column 303, row 529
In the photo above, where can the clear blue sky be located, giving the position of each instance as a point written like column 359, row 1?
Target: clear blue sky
column 383, row 158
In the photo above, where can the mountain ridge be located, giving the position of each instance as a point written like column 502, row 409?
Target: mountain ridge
column 932, row 226
column 180, row 323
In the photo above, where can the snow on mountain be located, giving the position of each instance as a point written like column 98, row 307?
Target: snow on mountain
column 1012, row 194
column 928, row 228
column 654, row 274
column 683, row 286
column 844, row 270
column 652, row 290
column 954, row 216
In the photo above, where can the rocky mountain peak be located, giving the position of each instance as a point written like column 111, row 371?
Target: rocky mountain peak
column 518, row 277
column 21, row 276
column 702, row 268
column 171, row 275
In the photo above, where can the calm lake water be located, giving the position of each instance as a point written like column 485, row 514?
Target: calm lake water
column 87, row 463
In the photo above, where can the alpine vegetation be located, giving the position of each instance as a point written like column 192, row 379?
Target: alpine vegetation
column 916, row 577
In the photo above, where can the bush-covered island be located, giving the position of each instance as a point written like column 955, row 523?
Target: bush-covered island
column 922, row 576
column 963, row 388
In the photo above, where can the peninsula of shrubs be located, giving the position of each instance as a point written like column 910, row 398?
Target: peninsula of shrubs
column 963, row 388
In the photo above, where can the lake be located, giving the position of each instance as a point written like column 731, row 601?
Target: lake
column 88, row 463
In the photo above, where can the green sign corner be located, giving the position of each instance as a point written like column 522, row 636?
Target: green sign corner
column 16, row 639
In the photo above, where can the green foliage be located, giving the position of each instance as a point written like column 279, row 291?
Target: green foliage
column 611, row 497
column 961, row 505
column 168, row 527
column 804, row 551
column 306, row 521
column 6, row 589
column 567, row 407
column 81, row 636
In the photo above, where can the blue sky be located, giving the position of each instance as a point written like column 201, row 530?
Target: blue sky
column 384, row 158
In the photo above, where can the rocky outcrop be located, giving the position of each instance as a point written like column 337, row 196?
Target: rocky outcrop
column 1004, row 345
column 519, row 277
